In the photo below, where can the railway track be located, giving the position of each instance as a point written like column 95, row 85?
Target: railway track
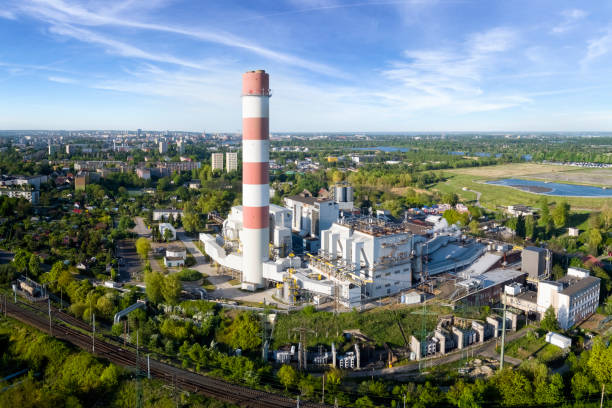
column 36, row 316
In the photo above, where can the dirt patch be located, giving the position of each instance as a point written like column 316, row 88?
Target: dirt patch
column 511, row 170
column 596, row 177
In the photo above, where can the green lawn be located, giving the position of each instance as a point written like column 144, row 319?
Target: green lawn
column 493, row 195
column 529, row 345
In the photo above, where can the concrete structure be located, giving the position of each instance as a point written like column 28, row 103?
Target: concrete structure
column 574, row 297
column 487, row 287
column 342, row 194
column 573, row 232
column 231, row 161
column 216, row 161
column 255, row 176
column 558, row 340
column 311, row 215
column 519, row 209
column 166, row 214
column 163, row 227
column 28, row 194
column 163, row 147
column 535, row 261
column 175, row 257
column 80, row 182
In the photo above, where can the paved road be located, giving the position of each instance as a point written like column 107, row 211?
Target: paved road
column 487, row 349
column 140, row 228
column 223, row 289
column 478, row 194
column 126, row 249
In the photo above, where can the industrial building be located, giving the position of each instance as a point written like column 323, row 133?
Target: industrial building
column 574, row 297
column 342, row 194
column 311, row 215
column 536, row 262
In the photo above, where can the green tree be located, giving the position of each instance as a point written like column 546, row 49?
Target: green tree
column 21, row 260
column 583, row 385
column 560, row 214
column 287, row 376
column 465, row 395
column 520, row 226
column 143, row 246
column 34, row 265
column 594, row 239
column 191, row 219
column 245, row 332
column 600, row 363
column 474, row 227
column 530, row 226
column 168, row 235
column 154, row 282
column 549, row 322
column 171, row 289
column 450, row 198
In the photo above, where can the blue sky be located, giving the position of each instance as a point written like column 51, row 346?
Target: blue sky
column 369, row 65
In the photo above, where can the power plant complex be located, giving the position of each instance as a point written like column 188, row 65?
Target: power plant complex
column 351, row 258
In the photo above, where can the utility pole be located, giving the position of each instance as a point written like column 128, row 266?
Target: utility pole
column 298, row 402
column 503, row 345
column 50, row 324
column 404, row 400
column 148, row 366
column 323, row 394
column 93, row 333
column 137, row 367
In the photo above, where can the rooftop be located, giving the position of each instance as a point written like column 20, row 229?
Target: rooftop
column 574, row 285
column 308, row 200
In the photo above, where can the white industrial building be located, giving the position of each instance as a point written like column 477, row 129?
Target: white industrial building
column 574, row 297
column 166, row 214
column 311, row 215
column 342, row 194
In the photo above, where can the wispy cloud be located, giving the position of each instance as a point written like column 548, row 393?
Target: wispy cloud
column 597, row 48
column 62, row 80
column 9, row 15
column 570, row 20
column 453, row 78
column 119, row 47
column 59, row 12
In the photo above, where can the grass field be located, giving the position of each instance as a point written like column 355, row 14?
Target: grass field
column 493, row 195
column 591, row 177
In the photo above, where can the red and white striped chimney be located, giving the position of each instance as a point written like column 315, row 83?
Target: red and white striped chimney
column 255, row 176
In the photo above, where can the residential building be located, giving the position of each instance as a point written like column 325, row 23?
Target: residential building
column 231, row 161
column 143, row 173
column 216, row 160
column 175, row 257
column 29, row 194
column 163, row 147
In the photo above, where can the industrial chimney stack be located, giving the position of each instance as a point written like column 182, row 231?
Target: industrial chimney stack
column 255, row 176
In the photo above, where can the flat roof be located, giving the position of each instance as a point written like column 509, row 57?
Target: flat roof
column 535, row 249
column 308, row 200
column 576, row 285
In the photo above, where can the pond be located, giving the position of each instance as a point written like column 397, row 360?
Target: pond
column 386, row 149
column 556, row 189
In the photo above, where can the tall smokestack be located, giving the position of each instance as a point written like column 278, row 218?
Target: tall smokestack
column 255, row 176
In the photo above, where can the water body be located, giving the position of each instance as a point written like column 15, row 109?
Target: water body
column 386, row 149
column 556, row 189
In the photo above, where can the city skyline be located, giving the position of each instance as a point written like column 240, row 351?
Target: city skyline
column 337, row 66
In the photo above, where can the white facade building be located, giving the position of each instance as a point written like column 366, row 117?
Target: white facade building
column 231, row 161
column 574, row 297
column 166, row 214
column 163, row 227
column 175, row 257
column 216, row 161
column 311, row 215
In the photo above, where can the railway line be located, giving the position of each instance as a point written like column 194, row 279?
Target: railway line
column 36, row 316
